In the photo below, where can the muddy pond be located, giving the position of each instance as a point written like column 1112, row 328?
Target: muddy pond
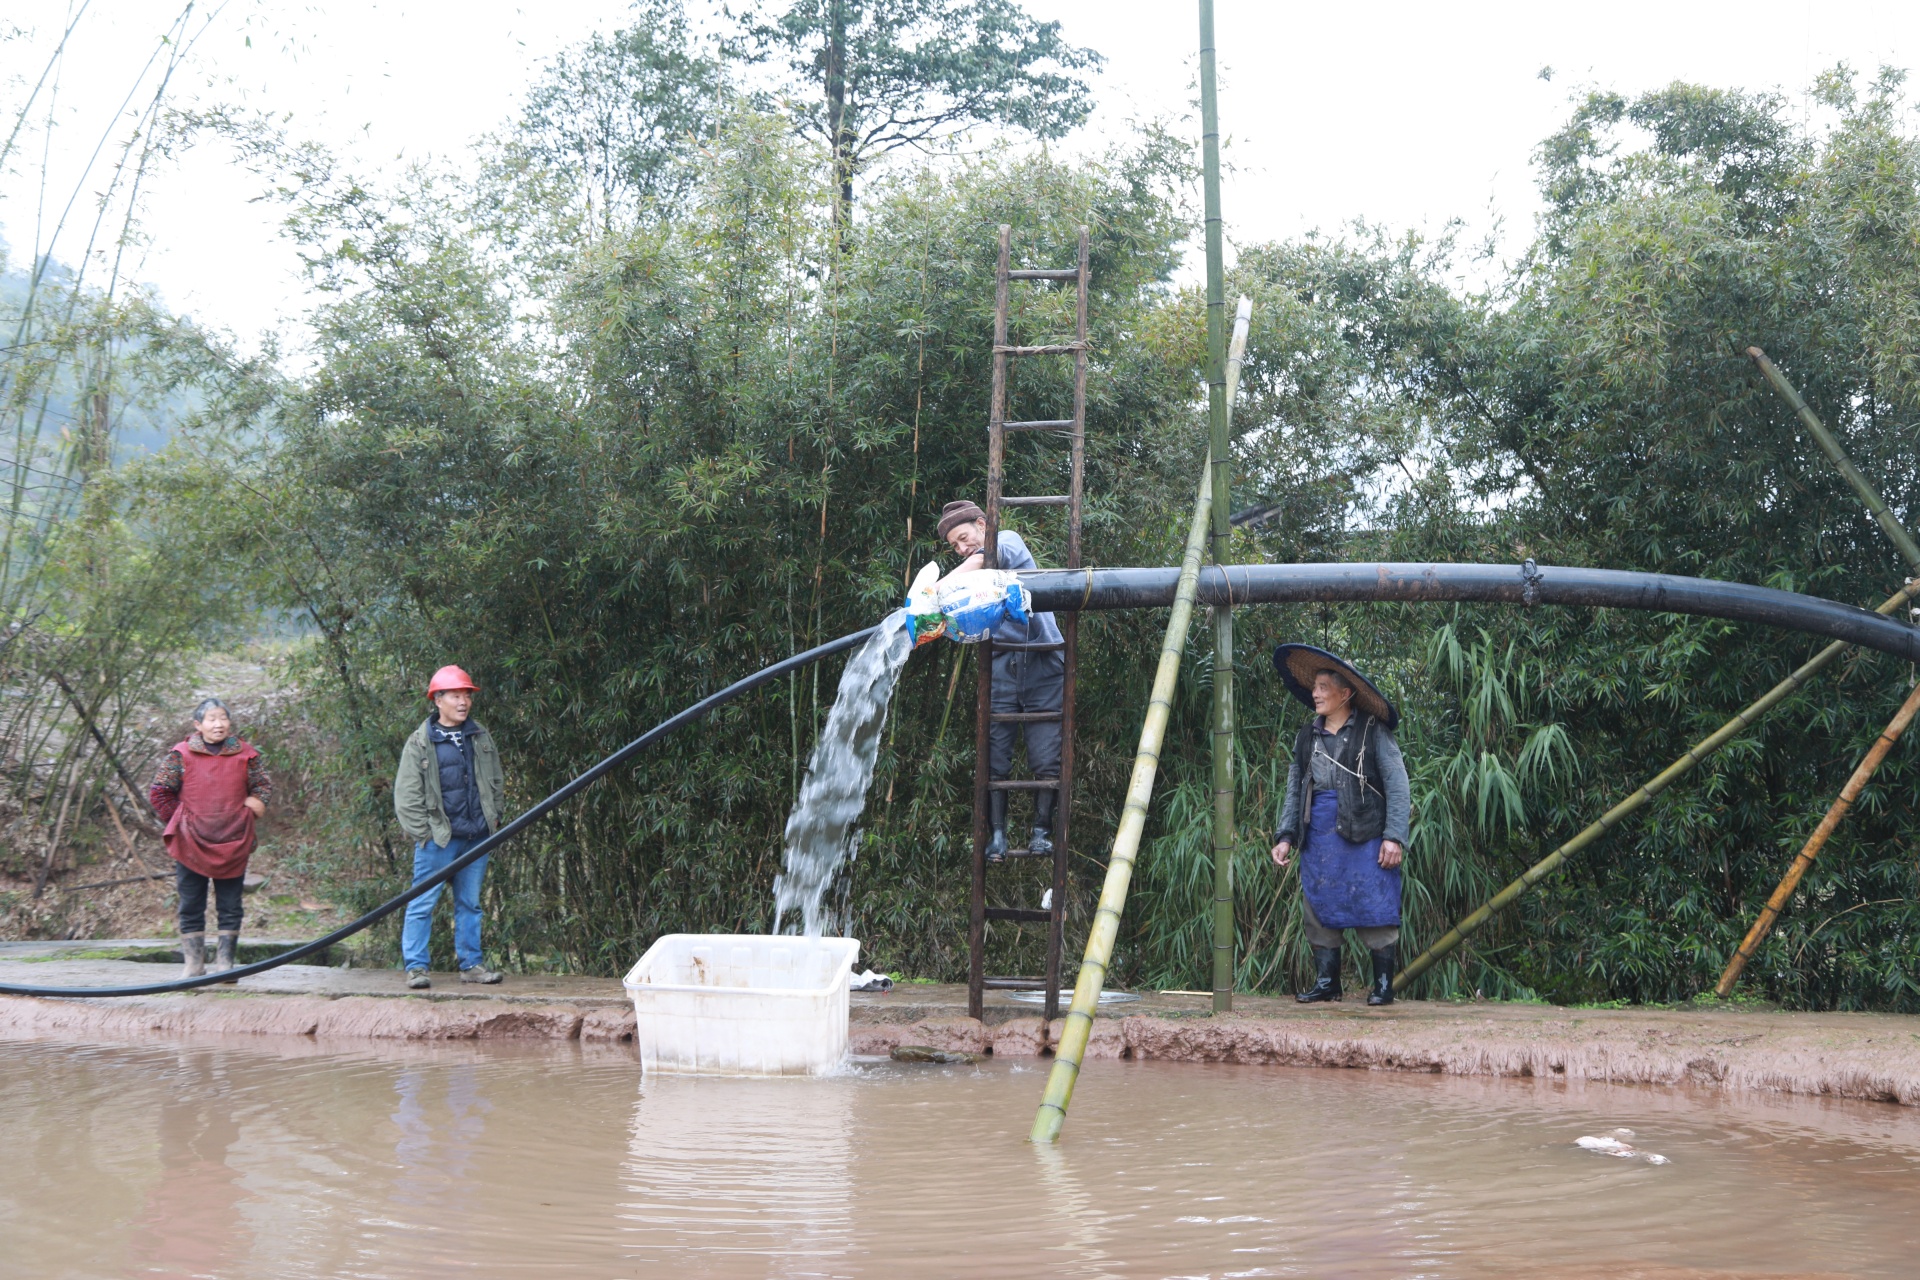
column 406, row 1161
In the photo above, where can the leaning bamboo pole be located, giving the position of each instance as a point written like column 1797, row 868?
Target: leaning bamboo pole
column 1072, row 1048
column 1876, row 505
column 1639, row 799
column 1811, row 850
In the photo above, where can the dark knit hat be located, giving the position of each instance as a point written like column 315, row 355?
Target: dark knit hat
column 1298, row 664
column 957, row 513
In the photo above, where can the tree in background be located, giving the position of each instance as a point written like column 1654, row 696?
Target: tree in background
column 701, row 449
column 870, row 76
column 619, row 114
column 107, row 593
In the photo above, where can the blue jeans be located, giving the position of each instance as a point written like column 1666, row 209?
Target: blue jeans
column 428, row 858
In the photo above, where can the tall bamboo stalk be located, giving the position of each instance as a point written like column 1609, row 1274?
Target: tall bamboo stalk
column 1226, row 830
column 1875, row 504
column 1632, row 804
column 1126, row 837
column 1811, row 850
column 1221, row 452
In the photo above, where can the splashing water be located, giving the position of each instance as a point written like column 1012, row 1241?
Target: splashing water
column 820, row 831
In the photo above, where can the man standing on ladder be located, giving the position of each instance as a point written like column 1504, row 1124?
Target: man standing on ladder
column 1024, row 680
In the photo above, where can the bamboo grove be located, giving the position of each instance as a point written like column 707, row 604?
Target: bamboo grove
column 104, row 595
column 613, row 453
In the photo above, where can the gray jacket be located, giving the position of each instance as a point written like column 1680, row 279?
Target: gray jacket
column 1374, row 799
column 416, row 785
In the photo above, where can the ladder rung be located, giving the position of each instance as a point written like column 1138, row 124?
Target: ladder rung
column 1028, row 853
column 1023, row 717
column 1023, row 784
column 1027, row 915
column 1068, row 273
column 1038, row 500
column 1051, row 349
column 1040, row 424
column 1041, row 646
column 1016, row 984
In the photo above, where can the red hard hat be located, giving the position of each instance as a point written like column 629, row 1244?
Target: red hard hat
column 450, row 678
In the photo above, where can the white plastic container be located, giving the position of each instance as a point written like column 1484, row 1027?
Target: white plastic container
column 742, row 1004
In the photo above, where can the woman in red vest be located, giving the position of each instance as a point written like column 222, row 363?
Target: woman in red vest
column 209, row 791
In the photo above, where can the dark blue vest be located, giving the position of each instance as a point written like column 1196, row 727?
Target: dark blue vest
column 459, row 792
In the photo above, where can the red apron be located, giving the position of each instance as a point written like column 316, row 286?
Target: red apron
column 212, row 831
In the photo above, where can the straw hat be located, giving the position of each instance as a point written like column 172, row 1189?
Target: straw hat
column 1298, row 664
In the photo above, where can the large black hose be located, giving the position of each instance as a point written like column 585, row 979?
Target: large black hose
column 484, row 847
column 1066, row 589
column 1071, row 589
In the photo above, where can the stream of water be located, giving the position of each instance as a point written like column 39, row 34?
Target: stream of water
column 279, row 1159
column 823, row 829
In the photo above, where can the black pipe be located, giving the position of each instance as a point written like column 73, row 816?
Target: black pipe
column 480, row 850
column 1527, row 584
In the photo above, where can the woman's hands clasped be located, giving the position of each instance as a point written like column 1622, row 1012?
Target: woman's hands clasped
column 1391, row 854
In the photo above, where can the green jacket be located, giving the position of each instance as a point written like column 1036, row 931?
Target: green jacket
column 416, row 786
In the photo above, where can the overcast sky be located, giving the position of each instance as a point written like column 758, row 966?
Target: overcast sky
column 1404, row 114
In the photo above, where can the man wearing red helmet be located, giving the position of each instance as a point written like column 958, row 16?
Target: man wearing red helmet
column 448, row 795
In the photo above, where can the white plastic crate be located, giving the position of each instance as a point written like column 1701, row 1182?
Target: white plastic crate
column 742, row 1004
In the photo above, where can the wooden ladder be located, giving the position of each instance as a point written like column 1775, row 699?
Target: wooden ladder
column 1074, row 431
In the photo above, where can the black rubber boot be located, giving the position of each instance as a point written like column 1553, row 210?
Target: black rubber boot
column 1041, row 841
column 997, row 826
column 1385, row 961
column 193, row 949
column 227, row 959
column 1326, row 983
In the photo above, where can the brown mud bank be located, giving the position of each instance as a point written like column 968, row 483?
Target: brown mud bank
column 1872, row 1057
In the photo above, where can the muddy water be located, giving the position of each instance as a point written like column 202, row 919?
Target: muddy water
column 488, row 1161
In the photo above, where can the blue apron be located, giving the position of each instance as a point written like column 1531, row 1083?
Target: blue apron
column 1344, row 882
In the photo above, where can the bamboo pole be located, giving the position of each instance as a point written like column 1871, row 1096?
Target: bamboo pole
column 1875, row 504
column 1626, row 808
column 1226, row 830
column 1072, row 1048
column 1221, row 454
column 1811, row 850
column 93, row 729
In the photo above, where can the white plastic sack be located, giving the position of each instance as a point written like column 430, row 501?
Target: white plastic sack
column 973, row 604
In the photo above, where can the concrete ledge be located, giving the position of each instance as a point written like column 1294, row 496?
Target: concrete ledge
column 1879, row 1063
column 347, row 1018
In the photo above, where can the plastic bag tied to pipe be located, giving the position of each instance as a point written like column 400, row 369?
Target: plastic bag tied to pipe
column 969, row 605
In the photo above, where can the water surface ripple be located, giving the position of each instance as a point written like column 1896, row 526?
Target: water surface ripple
column 282, row 1160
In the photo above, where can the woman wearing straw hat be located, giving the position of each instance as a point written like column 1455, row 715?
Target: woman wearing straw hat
column 1347, row 794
